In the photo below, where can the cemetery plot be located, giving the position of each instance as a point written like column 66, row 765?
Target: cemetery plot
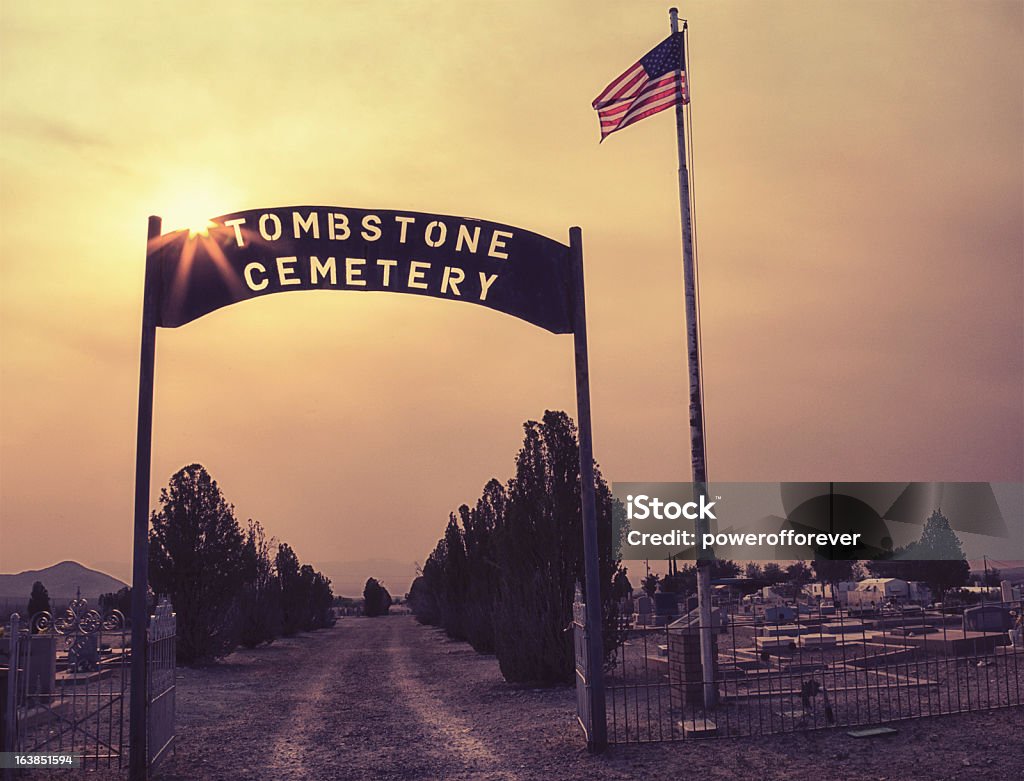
column 814, row 672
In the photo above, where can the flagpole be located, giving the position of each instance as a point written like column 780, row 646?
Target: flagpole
column 697, row 458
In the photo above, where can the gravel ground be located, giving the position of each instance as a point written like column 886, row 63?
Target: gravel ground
column 387, row 698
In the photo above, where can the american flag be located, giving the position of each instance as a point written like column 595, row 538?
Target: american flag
column 645, row 88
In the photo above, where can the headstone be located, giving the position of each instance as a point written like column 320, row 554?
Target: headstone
column 703, row 728
column 782, row 630
column 691, row 621
column 817, row 641
column 987, row 618
column 844, row 627
column 666, row 607
column 776, row 643
column 779, row 614
column 792, row 713
column 644, row 608
column 1016, row 634
column 84, row 654
column 42, row 664
column 872, row 732
column 1006, row 591
column 685, row 671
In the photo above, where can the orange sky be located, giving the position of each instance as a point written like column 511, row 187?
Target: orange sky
column 860, row 225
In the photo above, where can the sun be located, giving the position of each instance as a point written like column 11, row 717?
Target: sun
column 189, row 202
column 200, row 229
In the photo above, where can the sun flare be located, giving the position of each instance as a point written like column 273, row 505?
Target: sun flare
column 200, row 229
column 190, row 201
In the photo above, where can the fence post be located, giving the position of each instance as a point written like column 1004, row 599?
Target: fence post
column 10, row 742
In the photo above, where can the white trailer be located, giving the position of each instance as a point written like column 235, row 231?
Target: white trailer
column 876, row 593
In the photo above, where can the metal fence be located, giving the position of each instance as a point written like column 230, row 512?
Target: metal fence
column 160, row 706
column 784, row 669
column 66, row 684
column 579, row 640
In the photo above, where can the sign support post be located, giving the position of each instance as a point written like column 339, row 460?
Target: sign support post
column 598, row 737
column 137, row 758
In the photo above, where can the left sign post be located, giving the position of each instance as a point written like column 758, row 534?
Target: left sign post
column 138, row 761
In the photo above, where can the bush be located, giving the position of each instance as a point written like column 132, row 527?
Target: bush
column 38, row 600
column 505, row 578
column 197, row 558
column 376, row 599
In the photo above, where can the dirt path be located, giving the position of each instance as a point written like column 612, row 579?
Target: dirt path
column 349, row 702
column 389, row 699
column 358, row 696
column 464, row 752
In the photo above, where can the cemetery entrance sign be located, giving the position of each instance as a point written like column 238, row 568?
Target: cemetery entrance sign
column 253, row 253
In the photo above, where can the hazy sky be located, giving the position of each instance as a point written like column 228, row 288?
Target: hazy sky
column 859, row 189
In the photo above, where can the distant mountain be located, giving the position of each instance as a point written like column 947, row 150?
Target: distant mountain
column 122, row 570
column 349, row 577
column 1013, row 573
column 62, row 581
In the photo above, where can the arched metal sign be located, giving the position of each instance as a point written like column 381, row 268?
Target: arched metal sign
column 263, row 251
column 248, row 254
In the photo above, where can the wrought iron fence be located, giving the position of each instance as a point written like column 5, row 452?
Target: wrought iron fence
column 579, row 639
column 160, row 707
column 66, row 685
column 788, row 668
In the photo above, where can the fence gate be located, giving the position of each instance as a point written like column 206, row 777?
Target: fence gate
column 160, row 701
column 66, row 685
column 579, row 635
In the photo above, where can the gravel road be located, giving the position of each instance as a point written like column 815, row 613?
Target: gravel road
column 386, row 698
